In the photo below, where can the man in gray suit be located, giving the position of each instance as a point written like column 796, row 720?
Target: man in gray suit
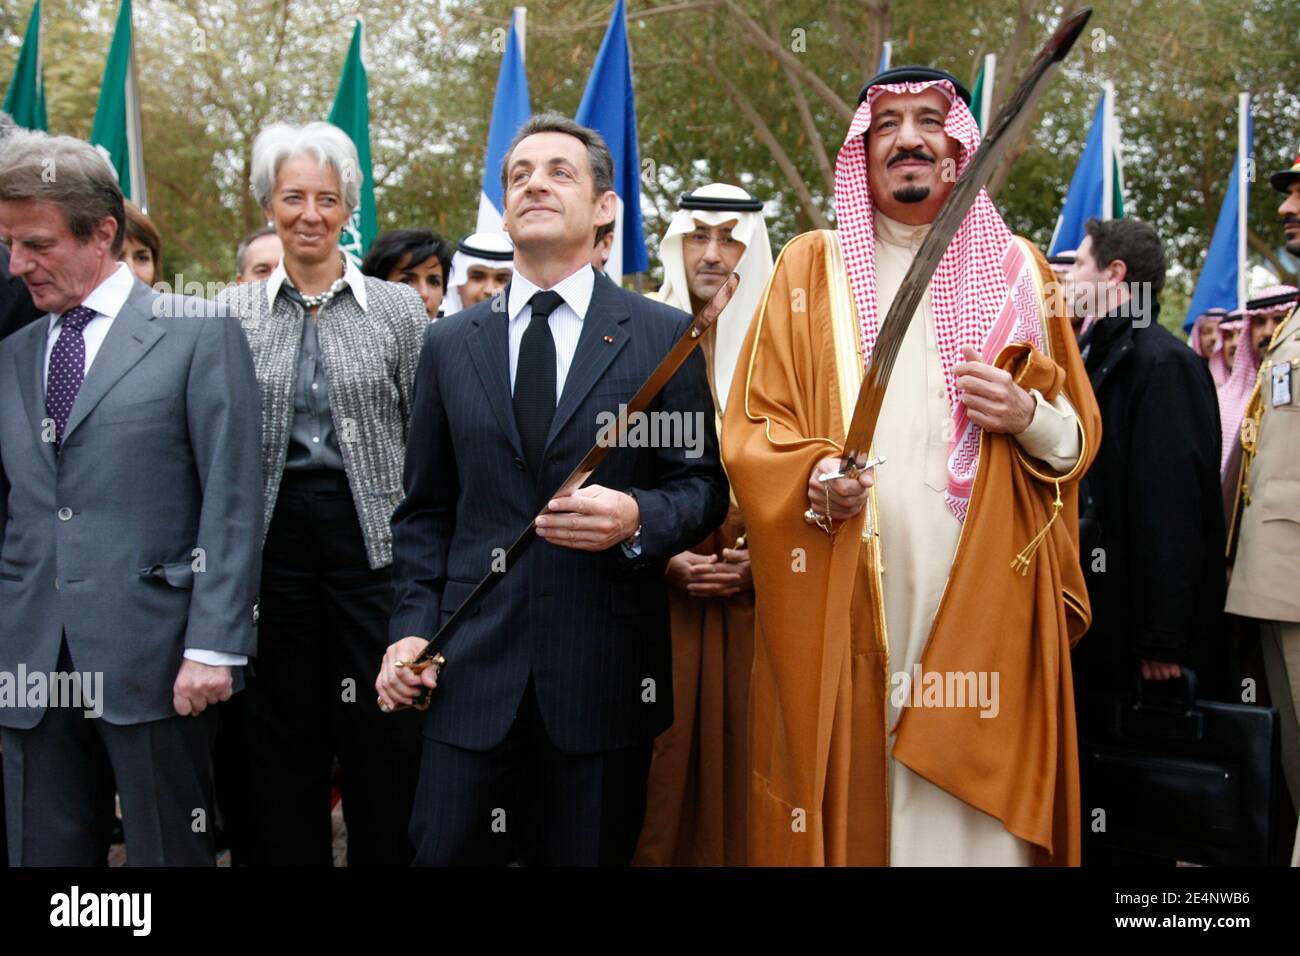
column 130, row 520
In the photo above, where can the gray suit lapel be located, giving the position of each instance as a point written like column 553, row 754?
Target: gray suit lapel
column 29, row 361
column 132, row 334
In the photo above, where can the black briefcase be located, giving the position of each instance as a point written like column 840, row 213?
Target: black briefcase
column 1181, row 779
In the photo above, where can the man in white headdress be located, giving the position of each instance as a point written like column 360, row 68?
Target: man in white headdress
column 698, row 779
column 481, row 267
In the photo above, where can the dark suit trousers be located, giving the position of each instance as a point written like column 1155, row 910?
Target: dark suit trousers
column 526, row 800
column 60, row 777
column 323, row 630
column 4, row 843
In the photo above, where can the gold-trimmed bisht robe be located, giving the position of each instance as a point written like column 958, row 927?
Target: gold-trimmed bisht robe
column 820, row 733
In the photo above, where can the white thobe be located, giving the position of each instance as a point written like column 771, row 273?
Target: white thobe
column 918, row 540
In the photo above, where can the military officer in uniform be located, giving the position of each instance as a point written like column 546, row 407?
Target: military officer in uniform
column 1267, row 517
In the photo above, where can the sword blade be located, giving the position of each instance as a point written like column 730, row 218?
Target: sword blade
column 613, row 437
column 1004, row 131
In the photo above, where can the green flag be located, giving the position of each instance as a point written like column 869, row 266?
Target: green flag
column 1117, row 186
column 981, row 99
column 25, row 101
column 117, row 118
column 351, row 113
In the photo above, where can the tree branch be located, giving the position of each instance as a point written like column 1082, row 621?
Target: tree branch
column 596, row 23
column 769, row 140
column 1003, row 172
column 1256, row 242
column 766, row 43
column 806, row 117
column 880, row 17
column 1006, row 74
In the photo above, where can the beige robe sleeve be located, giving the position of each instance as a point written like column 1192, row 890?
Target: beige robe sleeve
column 1053, row 435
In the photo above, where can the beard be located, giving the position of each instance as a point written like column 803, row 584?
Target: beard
column 912, row 194
column 1291, row 245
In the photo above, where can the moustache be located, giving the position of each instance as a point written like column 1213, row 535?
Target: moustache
column 905, row 155
column 1289, row 220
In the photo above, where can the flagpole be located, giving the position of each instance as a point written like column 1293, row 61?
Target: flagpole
column 1108, row 151
column 1117, row 167
column 990, row 74
column 521, row 31
column 40, row 73
column 619, row 224
column 1243, row 188
column 134, row 141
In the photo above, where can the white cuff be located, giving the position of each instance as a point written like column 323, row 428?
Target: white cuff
column 215, row 658
column 1054, row 434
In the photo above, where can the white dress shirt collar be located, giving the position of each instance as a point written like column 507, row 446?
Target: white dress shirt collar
column 107, row 298
column 351, row 276
column 575, row 289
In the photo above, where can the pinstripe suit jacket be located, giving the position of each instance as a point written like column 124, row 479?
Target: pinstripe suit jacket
column 591, row 627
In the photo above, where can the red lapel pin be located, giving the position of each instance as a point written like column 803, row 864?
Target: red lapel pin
column 609, row 340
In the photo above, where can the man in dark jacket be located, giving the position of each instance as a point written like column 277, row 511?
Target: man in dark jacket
column 16, row 308
column 1152, row 528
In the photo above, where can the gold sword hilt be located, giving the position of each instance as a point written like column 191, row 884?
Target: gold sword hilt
column 425, row 698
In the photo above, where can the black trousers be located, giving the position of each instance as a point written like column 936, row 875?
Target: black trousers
column 526, row 800
column 61, row 775
column 4, row 843
column 232, row 780
column 323, row 629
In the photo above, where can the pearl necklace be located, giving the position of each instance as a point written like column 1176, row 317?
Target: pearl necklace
column 316, row 301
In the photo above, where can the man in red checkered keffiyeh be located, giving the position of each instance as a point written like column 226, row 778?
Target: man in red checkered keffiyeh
column 982, row 293
column 956, row 556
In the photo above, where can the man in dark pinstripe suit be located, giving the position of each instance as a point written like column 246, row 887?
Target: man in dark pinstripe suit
column 537, row 745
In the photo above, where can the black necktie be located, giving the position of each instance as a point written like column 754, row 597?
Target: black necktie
column 535, row 379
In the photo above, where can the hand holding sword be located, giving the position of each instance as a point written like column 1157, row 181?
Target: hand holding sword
column 593, row 518
column 836, row 492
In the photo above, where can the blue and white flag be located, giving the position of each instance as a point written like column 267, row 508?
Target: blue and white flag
column 1222, row 283
column 510, row 110
column 1097, row 189
column 609, row 107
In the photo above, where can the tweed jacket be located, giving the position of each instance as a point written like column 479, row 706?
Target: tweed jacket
column 370, row 350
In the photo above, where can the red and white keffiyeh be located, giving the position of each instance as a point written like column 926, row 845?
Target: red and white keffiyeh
column 982, row 292
column 1234, row 394
column 1219, row 370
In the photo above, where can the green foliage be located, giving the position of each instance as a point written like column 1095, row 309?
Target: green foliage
column 214, row 72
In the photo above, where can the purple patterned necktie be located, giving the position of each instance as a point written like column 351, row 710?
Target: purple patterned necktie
column 67, row 368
